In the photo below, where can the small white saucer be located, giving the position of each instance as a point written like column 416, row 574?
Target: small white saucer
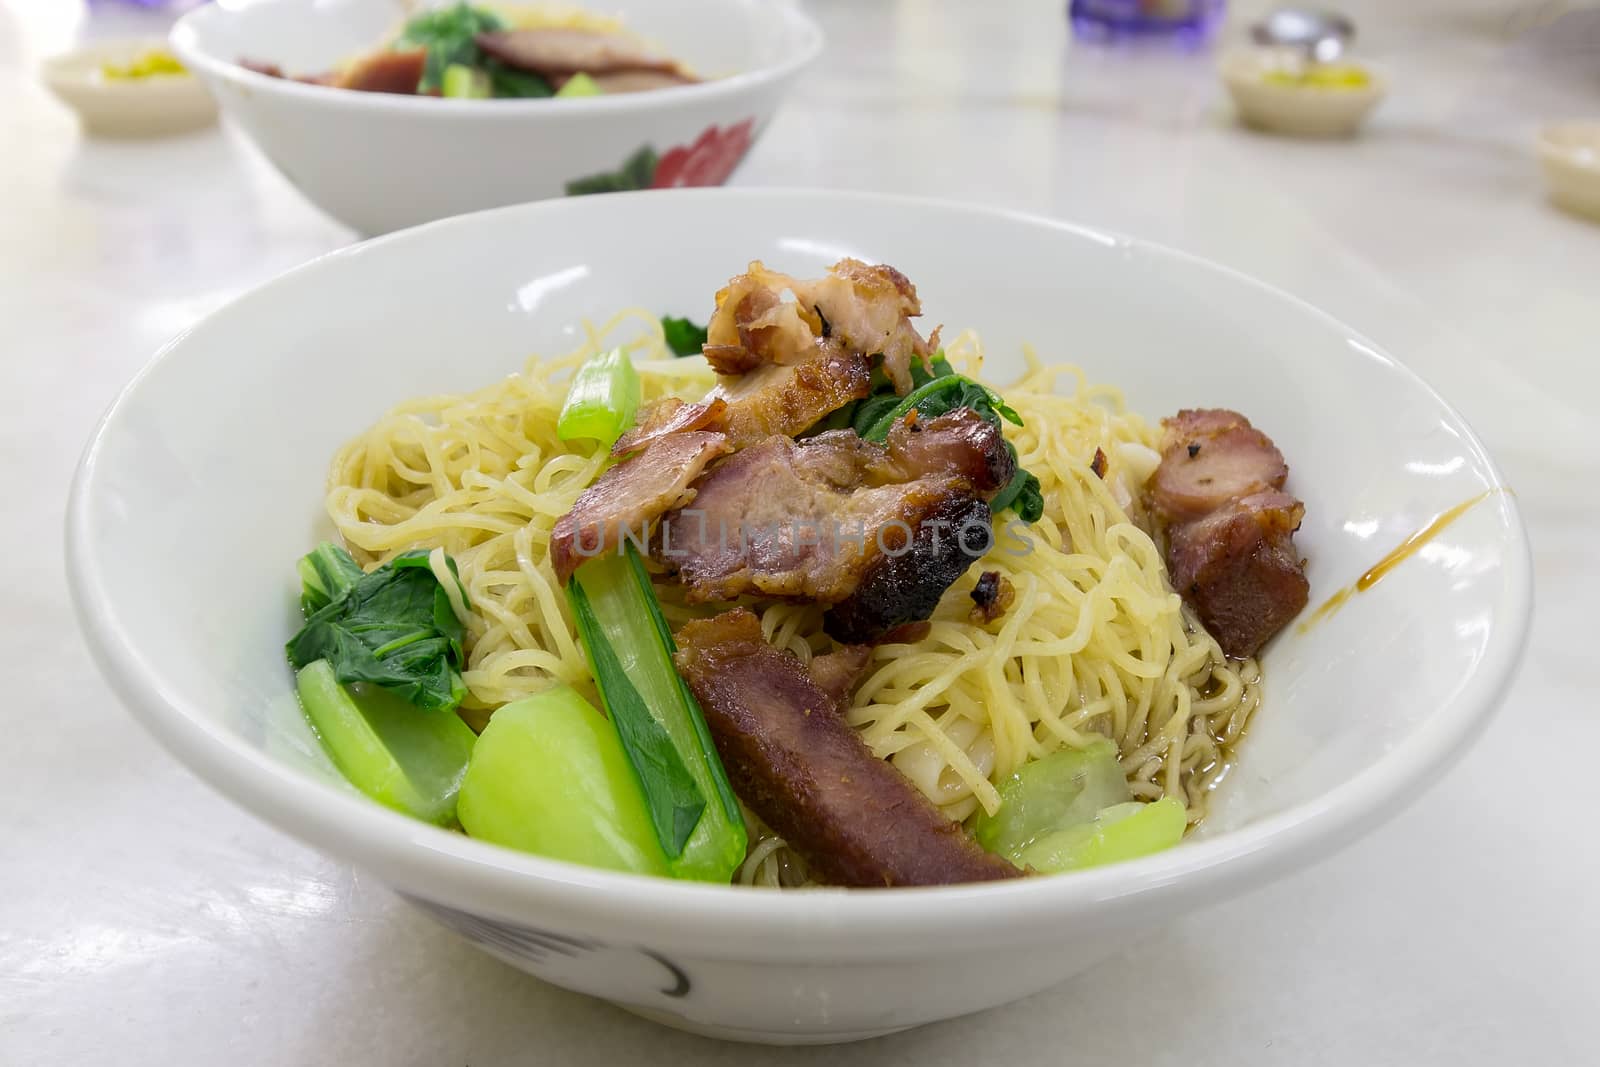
column 1570, row 153
column 134, row 107
column 1298, row 110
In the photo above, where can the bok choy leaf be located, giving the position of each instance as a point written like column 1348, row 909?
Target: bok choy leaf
column 935, row 394
column 393, row 628
column 685, row 338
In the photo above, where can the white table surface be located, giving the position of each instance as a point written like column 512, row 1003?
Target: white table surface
column 145, row 920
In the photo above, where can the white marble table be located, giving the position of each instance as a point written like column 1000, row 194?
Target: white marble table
column 144, row 920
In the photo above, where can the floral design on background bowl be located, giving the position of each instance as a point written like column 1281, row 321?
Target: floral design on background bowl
column 381, row 162
column 710, row 160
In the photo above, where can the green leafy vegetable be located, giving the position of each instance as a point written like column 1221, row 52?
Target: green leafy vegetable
column 406, row 761
column 1065, row 788
column 1073, row 809
column 549, row 776
column 393, row 628
column 466, row 83
column 1023, row 494
column 450, row 37
column 692, row 806
column 326, row 575
column 870, row 411
column 933, row 394
column 684, row 337
column 1120, row 832
column 449, row 34
column 938, row 396
column 580, row 84
column 602, row 399
column 673, row 796
column 920, row 375
column 511, row 82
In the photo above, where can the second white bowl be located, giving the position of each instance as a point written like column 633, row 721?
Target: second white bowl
column 381, row 162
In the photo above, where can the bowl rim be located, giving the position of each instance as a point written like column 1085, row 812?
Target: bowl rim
column 184, row 40
column 737, row 921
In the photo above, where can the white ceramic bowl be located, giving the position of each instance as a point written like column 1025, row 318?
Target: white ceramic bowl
column 1299, row 111
column 135, row 107
column 1570, row 155
column 379, row 162
column 204, row 483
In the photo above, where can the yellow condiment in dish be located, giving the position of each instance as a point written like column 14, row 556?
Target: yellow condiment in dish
column 156, row 63
column 1320, row 76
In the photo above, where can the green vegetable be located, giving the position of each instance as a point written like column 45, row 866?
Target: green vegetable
column 935, row 393
column 1023, row 494
column 941, row 368
column 1063, row 789
column 881, row 397
column 326, row 575
column 940, row 395
column 549, row 776
column 394, row 628
column 511, row 82
column 580, row 84
column 685, row 338
column 869, row 412
column 1120, row 832
column 602, row 399
column 466, row 83
column 449, row 36
column 409, row 762
column 692, row 806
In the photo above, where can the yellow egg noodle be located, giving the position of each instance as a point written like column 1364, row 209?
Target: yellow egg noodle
column 1096, row 643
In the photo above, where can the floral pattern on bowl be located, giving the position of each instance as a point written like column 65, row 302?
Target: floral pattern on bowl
column 710, row 160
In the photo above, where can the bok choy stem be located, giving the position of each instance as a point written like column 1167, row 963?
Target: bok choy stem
column 602, row 399
column 663, row 731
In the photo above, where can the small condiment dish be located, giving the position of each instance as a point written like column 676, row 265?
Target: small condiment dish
column 1570, row 155
column 1278, row 91
column 153, row 105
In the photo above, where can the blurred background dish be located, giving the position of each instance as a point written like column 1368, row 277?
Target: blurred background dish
column 1280, row 90
column 381, row 161
column 129, row 88
column 1570, row 154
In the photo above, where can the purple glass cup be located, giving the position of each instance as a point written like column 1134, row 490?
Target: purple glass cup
column 1187, row 22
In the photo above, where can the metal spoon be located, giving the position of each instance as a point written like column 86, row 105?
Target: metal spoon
column 1321, row 35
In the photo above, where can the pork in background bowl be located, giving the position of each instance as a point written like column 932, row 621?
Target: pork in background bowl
column 382, row 161
column 208, row 474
